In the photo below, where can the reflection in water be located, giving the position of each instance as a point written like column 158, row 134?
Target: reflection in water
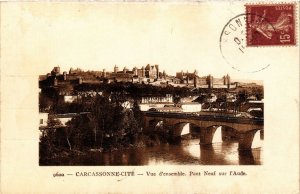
column 185, row 129
column 218, row 135
column 257, row 142
column 188, row 152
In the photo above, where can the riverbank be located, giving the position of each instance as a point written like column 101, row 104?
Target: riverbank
column 55, row 154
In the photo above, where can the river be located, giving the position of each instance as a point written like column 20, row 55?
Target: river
column 188, row 152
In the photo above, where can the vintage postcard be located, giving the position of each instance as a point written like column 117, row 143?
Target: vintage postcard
column 150, row 97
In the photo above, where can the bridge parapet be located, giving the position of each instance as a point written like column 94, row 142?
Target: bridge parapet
column 240, row 124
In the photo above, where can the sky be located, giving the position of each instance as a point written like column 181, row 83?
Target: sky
column 97, row 36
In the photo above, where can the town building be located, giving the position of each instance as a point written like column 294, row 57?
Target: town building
column 43, row 117
column 148, row 102
column 190, row 107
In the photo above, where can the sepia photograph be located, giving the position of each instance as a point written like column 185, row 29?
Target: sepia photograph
column 146, row 116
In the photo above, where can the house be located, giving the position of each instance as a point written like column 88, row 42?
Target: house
column 212, row 98
column 251, row 98
column 146, row 107
column 71, row 99
column 231, row 97
column 191, row 107
column 150, row 101
column 43, row 118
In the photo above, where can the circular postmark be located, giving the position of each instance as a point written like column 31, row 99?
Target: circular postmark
column 234, row 50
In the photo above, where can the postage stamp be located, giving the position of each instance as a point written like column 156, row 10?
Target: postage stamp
column 270, row 25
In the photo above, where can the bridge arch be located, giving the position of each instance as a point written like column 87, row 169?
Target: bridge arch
column 224, row 133
column 182, row 128
column 257, row 139
column 156, row 125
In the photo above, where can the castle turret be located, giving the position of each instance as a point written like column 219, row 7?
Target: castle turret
column 228, row 81
column 104, row 73
column 195, row 81
column 56, row 71
column 116, row 69
column 143, row 71
column 187, row 76
column 65, row 75
column 71, row 71
column 164, row 74
column 157, row 71
column 210, row 81
column 135, row 71
column 224, row 80
column 195, row 73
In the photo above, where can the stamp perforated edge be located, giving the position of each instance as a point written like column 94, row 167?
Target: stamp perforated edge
column 296, row 22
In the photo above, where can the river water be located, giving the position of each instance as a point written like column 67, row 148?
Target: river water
column 188, row 152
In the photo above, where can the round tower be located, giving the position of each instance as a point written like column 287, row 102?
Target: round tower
column 65, row 75
column 135, row 71
column 143, row 71
column 116, row 69
column 187, row 76
column 195, row 73
column 210, row 81
column 157, row 71
column 225, row 80
column 104, row 73
column 71, row 70
column 195, row 81
column 228, row 81
column 164, row 74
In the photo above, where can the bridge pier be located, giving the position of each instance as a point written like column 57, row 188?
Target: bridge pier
column 175, row 131
column 246, row 139
column 262, row 136
column 207, row 134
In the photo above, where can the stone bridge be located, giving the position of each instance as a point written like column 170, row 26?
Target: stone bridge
column 246, row 128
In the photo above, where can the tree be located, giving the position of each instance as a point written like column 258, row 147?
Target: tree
column 45, row 103
column 99, row 117
column 79, row 134
column 201, row 99
column 221, row 101
column 106, row 119
column 176, row 99
column 258, row 92
column 48, row 140
column 241, row 99
column 137, row 113
column 131, row 126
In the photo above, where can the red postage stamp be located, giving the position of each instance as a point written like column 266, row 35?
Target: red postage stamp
column 270, row 25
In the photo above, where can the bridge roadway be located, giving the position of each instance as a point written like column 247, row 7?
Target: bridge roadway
column 208, row 123
column 208, row 116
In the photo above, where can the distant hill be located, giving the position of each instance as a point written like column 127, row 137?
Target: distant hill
column 258, row 82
